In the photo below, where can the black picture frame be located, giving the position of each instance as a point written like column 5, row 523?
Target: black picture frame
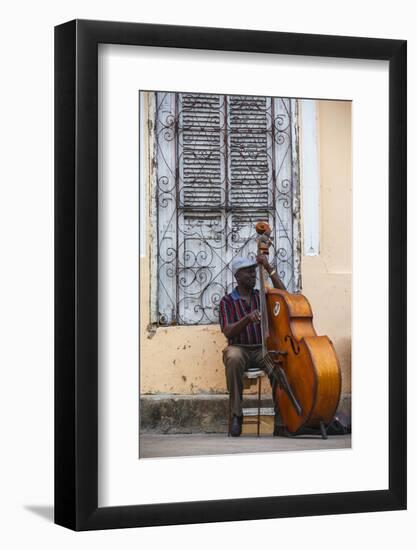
column 76, row 272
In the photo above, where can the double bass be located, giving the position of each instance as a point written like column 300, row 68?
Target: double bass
column 303, row 365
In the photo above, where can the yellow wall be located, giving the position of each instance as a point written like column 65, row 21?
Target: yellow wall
column 176, row 359
column 326, row 278
column 187, row 360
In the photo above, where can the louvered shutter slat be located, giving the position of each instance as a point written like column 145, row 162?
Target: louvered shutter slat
column 200, row 159
column 249, row 164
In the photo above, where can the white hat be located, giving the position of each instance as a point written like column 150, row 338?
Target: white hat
column 241, row 263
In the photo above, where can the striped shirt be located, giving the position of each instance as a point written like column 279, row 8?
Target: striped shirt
column 232, row 309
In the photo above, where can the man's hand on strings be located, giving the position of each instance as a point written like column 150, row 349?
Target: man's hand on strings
column 254, row 316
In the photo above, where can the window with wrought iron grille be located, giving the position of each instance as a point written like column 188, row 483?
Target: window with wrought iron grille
column 220, row 164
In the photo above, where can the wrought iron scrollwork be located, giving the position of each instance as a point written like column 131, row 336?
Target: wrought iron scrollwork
column 222, row 164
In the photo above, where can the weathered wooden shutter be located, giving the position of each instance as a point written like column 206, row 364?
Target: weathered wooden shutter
column 201, row 170
column 201, row 189
column 222, row 164
column 249, row 122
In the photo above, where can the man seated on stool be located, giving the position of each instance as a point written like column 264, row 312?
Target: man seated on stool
column 240, row 316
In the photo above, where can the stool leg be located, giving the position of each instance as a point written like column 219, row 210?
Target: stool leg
column 259, row 403
column 229, row 417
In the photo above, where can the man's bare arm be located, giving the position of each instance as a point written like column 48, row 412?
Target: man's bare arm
column 234, row 329
column 276, row 281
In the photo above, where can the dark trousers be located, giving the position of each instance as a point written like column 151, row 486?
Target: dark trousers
column 236, row 360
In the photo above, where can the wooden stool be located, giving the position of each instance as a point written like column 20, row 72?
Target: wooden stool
column 249, row 375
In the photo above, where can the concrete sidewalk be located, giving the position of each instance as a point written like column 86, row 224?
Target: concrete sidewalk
column 163, row 445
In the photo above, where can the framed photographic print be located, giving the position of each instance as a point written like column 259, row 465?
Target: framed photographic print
column 230, row 274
